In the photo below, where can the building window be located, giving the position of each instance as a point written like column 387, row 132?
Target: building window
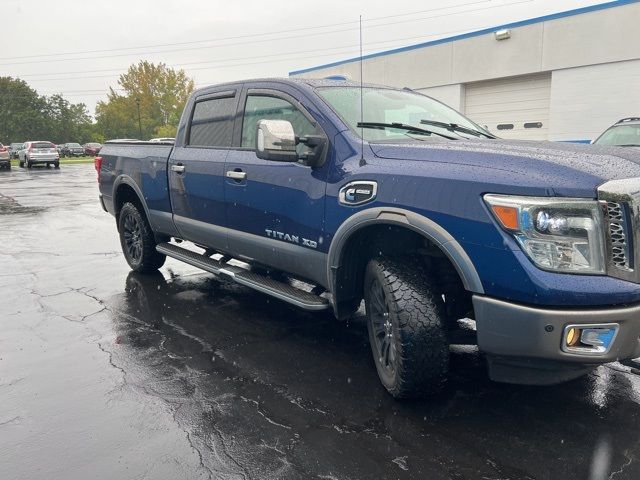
column 505, row 126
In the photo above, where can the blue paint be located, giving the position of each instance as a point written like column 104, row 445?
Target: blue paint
column 522, row 23
column 586, row 142
column 442, row 181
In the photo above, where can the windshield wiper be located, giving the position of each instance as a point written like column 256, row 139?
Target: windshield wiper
column 403, row 126
column 454, row 127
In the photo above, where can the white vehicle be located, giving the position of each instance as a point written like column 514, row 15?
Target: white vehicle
column 5, row 160
column 624, row 133
column 41, row 152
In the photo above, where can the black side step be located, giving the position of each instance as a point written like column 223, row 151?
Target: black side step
column 295, row 296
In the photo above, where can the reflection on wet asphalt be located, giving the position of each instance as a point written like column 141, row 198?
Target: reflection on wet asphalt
column 109, row 374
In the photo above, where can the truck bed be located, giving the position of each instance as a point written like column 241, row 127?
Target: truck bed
column 143, row 165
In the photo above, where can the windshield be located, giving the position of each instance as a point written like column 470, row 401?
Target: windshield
column 383, row 105
column 42, row 145
column 621, row 135
column 74, row 145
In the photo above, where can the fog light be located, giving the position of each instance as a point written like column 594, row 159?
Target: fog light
column 573, row 337
column 592, row 339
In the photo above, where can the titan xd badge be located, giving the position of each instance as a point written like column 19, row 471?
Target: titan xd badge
column 357, row 193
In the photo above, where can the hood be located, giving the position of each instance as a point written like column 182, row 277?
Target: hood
column 563, row 169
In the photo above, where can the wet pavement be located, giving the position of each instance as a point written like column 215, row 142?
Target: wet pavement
column 105, row 374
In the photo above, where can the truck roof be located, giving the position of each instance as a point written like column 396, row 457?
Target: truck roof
column 311, row 83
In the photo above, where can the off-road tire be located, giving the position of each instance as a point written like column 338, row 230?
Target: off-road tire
column 56, row 164
column 416, row 315
column 28, row 163
column 144, row 257
column 21, row 163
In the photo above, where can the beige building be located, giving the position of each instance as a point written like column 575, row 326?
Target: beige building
column 566, row 76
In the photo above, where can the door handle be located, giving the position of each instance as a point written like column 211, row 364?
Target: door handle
column 236, row 175
column 177, row 168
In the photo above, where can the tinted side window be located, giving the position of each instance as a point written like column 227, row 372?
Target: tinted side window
column 271, row 108
column 212, row 122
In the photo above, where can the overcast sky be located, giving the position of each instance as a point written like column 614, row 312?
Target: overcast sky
column 79, row 47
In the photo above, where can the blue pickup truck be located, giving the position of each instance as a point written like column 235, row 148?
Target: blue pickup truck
column 327, row 193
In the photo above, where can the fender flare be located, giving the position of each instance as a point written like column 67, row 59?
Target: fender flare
column 413, row 221
column 127, row 180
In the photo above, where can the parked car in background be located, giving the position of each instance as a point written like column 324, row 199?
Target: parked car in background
column 72, row 150
column 163, row 140
column 39, row 152
column 624, row 133
column 14, row 148
column 92, row 149
column 5, row 159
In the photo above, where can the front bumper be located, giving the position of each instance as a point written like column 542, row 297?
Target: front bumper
column 524, row 344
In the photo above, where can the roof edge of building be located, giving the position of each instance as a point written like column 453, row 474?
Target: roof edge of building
column 475, row 33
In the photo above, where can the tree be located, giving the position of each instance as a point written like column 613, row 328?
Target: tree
column 162, row 93
column 24, row 112
column 29, row 116
column 68, row 122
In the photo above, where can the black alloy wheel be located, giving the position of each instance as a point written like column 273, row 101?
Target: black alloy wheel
column 132, row 233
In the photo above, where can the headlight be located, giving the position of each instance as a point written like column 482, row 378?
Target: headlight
column 558, row 234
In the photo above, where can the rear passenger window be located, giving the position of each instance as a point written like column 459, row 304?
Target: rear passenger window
column 212, row 122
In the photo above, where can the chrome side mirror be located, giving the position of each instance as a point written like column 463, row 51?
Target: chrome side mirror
column 276, row 140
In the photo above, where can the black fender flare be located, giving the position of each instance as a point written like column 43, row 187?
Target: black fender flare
column 127, row 180
column 413, row 221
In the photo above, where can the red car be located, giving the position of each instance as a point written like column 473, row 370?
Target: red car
column 92, row 149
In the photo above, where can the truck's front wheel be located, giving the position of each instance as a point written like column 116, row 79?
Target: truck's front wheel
column 405, row 319
column 137, row 241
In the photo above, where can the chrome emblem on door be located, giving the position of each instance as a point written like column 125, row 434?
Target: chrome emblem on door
column 357, row 193
column 291, row 238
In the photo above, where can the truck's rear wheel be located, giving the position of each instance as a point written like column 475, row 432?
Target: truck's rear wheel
column 137, row 241
column 405, row 318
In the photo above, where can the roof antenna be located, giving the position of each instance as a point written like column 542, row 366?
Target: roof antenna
column 362, row 160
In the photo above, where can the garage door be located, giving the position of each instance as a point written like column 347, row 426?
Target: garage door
column 516, row 107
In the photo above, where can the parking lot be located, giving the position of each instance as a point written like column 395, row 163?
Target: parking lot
column 109, row 374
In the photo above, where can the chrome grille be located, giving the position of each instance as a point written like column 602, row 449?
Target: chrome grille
column 621, row 202
column 618, row 235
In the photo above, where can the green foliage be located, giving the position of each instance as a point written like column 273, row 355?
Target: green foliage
column 68, row 122
column 29, row 116
column 24, row 112
column 166, row 131
column 155, row 92
column 159, row 93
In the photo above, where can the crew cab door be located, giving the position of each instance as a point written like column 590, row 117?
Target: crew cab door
column 196, row 169
column 275, row 210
